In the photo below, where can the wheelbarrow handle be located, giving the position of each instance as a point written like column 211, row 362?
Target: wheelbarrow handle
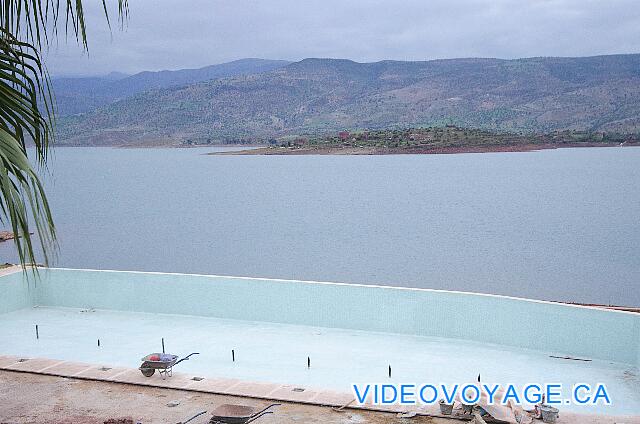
column 258, row 415
column 193, row 418
column 186, row 358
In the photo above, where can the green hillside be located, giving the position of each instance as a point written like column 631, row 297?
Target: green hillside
column 322, row 95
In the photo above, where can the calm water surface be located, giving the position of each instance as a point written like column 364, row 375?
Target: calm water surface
column 561, row 225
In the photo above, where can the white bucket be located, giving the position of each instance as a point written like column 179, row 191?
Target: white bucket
column 549, row 413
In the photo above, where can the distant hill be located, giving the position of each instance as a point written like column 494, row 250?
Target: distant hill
column 81, row 95
column 320, row 95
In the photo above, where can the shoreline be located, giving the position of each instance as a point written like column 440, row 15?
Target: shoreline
column 156, row 146
column 418, row 150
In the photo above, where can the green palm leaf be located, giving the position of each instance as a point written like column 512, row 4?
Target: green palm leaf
column 27, row 111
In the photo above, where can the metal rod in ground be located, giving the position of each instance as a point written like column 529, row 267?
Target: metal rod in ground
column 37, row 333
column 389, row 371
column 308, row 362
column 233, row 355
column 163, row 345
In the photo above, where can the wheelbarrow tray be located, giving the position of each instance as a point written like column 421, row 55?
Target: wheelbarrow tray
column 159, row 365
column 238, row 414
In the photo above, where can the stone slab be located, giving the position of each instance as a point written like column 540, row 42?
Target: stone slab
column 213, row 385
column 6, row 360
column 251, row 389
column 332, row 398
column 134, row 376
column 37, row 365
column 66, row 369
column 99, row 372
column 291, row 393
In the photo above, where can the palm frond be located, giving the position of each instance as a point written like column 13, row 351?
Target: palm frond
column 33, row 20
column 27, row 113
column 23, row 82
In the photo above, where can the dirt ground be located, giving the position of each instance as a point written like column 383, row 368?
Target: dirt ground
column 31, row 398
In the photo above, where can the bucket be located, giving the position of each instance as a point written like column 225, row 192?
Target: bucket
column 549, row 413
column 445, row 409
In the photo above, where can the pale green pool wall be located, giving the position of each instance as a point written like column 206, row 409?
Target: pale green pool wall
column 16, row 292
column 548, row 327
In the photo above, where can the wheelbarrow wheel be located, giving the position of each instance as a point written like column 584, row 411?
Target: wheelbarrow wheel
column 147, row 372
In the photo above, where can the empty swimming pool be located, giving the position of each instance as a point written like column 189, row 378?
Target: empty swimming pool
column 350, row 333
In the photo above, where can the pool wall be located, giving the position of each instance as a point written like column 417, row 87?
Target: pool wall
column 544, row 326
column 16, row 293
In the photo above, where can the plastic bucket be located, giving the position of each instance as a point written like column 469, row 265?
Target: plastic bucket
column 549, row 413
column 446, row 409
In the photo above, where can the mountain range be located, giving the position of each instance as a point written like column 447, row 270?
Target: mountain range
column 81, row 95
column 256, row 101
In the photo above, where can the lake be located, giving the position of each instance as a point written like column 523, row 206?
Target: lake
column 554, row 225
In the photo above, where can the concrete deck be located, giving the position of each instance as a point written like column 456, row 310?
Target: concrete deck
column 181, row 381
column 10, row 270
column 28, row 398
column 230, row 387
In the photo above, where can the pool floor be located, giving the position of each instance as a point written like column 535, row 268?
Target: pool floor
column 279, row 353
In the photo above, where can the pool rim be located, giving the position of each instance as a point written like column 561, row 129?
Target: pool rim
column 602, row 308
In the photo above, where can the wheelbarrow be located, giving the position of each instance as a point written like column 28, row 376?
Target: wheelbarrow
column 238, row 414
column 163, row 362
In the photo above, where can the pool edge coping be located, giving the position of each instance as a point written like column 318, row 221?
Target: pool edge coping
column 602, row 308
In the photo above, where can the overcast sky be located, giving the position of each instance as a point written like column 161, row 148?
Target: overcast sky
column 163, row 34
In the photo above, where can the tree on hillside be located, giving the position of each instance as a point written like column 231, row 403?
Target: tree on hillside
column 27, row 112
